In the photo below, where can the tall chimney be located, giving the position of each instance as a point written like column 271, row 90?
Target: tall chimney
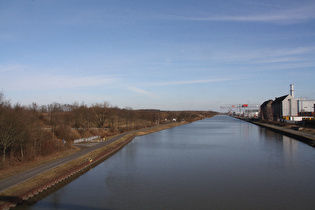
column 292, row 90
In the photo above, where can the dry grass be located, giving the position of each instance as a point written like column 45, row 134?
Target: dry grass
column 158, row 128
column 9, row 171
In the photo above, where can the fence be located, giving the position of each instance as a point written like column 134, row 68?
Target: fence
column 86, row 139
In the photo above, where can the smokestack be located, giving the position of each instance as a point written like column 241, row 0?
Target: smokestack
column 292, row 90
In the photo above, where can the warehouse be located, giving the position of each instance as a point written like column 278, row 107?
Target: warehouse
column 266, row 111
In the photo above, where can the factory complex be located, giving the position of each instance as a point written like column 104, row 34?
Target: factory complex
column 287, row 108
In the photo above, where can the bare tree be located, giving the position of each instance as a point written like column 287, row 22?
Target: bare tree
column 113, row 118
column 100, row 114
column 81, row 117
column 3, row 101
column 127, row 114
column 11, row 128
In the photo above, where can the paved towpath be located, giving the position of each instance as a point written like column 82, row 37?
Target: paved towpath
column 288, row 130
column 85, row 149
column 21, row 177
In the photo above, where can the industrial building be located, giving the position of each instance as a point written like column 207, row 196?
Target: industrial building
column 243, row 110
column 284, row 106
column 287, row 108
column 266, row 111
column 305, row 107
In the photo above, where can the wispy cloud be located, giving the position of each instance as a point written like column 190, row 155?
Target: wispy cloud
column 53, row 82
column 188, row 82
column 298, row 66
column 267, row 55
column 142, row 92
column 23, row 77
column 271, row 59
column 280, row 60
column 293, row 51
column 10, row 68
column 281, row 16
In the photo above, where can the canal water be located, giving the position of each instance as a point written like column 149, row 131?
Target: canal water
column 216, row 163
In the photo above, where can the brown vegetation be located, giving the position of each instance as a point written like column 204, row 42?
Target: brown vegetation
column 18, row 191
column 29, row 133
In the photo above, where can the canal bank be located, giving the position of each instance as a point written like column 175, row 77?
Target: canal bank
column 293, row 132
column 216, row 163
column 35, row 185
column 12, row 201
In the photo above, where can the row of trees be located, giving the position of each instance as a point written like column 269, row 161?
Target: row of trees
column 27, row 132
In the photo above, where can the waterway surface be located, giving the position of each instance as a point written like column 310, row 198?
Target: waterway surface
column 216, row 163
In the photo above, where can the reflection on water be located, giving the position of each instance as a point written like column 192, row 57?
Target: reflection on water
column 216, row 163
column 285, row 149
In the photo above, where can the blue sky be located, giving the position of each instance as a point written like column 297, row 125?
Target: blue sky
column 167, row 54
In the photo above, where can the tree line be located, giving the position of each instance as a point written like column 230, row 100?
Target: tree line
column 29, row 132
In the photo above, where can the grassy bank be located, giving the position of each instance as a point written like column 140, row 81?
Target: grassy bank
column 46, row 177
